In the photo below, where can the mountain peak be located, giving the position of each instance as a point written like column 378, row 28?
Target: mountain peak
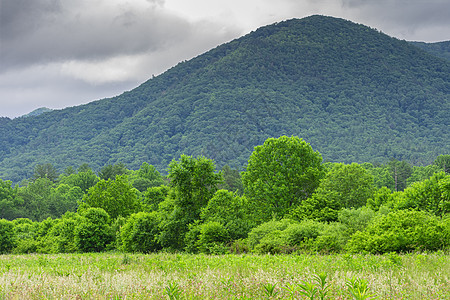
column 353, row 93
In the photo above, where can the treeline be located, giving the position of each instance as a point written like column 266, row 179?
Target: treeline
column 286, row 201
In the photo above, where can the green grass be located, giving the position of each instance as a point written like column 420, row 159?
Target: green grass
column 184, row 276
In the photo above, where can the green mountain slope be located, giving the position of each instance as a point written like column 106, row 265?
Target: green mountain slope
column 439, row 49
column 352, row 92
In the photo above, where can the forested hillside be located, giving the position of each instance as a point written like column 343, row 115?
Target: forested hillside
column 439, row 49
column 354, row 93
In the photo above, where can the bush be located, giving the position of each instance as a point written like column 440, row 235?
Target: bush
column 93, row 233
column 6, row 236
column 140, row 232
column 258, row 233
column 62, row 235
column 212, row 238
column 401, row 231
column 356, row 219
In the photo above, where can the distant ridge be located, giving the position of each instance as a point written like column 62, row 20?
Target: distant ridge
column 37, row 112
column 439, row 49
column 352, row 92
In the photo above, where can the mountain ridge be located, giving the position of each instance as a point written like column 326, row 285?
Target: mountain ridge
column 352, row 92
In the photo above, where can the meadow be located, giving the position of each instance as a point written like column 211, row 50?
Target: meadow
column 246, row 276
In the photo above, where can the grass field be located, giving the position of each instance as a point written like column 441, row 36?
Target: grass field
column 184, row 276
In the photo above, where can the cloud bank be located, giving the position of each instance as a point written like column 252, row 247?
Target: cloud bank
column 60, row 53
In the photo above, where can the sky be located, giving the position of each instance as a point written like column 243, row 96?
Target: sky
column 60, row 53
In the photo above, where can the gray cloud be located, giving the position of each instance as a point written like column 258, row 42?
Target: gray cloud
column 59, row 53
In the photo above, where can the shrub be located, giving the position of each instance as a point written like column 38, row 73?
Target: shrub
column 258, row 233
column 140, row 232
column 213, row 236
column 401, row 231
column 6, row 236
column 93, row 233
column 62, row 235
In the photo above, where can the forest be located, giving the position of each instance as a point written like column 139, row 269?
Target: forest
column 354, row 93
column 288, row 200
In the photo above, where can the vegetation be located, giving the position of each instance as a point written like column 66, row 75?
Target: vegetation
column 291, row 202
column 355, row 94
column 439, row 49
column 186, row 276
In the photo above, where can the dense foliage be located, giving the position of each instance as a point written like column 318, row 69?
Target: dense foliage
column 353, row 93
column 291, row 202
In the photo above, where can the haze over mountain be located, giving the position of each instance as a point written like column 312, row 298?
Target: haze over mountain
column 354, row 93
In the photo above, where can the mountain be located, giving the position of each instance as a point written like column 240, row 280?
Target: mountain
column 352, row 92
column 37, row 112
column 439, row 49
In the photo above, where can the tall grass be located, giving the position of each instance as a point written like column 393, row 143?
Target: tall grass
column 185, row 276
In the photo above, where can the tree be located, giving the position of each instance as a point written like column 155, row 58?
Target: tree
column 153, row 196
column 193, row 182
column 6, row 236
column 231, row 180
column 443, row 162
column 111, row 171
column 345, row 186
column 431, row 195
column 280, row 175
column 140, row 233
column 400, row 171
column 117, row 197
column 45, row 171
column 84, row 179
column 146, row 177
column 93, row 233
column 231, row 211
column 10, row 205
column 36, row 199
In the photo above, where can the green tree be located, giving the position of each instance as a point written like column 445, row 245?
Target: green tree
column 84, row 179
column 6, row 236
column 345, row 186
column 35, row 197
column 117, row 197
column 231, row 211
column 420, row 173
column 401, row 231
column 193, row 182
column 443, row 162
column 111, row 171
column 400, row 172
column 153, row 196
column 45, row 171
column 140, row 233
column 93, row 233
column 231, row 180
column 64, row 198
column 61, row 236
column 10, row 205
column 146, row 177
column 280, row 175
column 431, row 195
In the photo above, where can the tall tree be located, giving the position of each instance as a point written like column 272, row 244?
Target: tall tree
column 281, row 174
column 117, row 197
column 400, row 171
column 111, row 171
column 443, row 161
column 345, row 186
column 194, row 182
column 45, row 171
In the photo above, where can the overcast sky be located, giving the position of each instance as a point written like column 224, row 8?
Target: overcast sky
column 59, row 53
